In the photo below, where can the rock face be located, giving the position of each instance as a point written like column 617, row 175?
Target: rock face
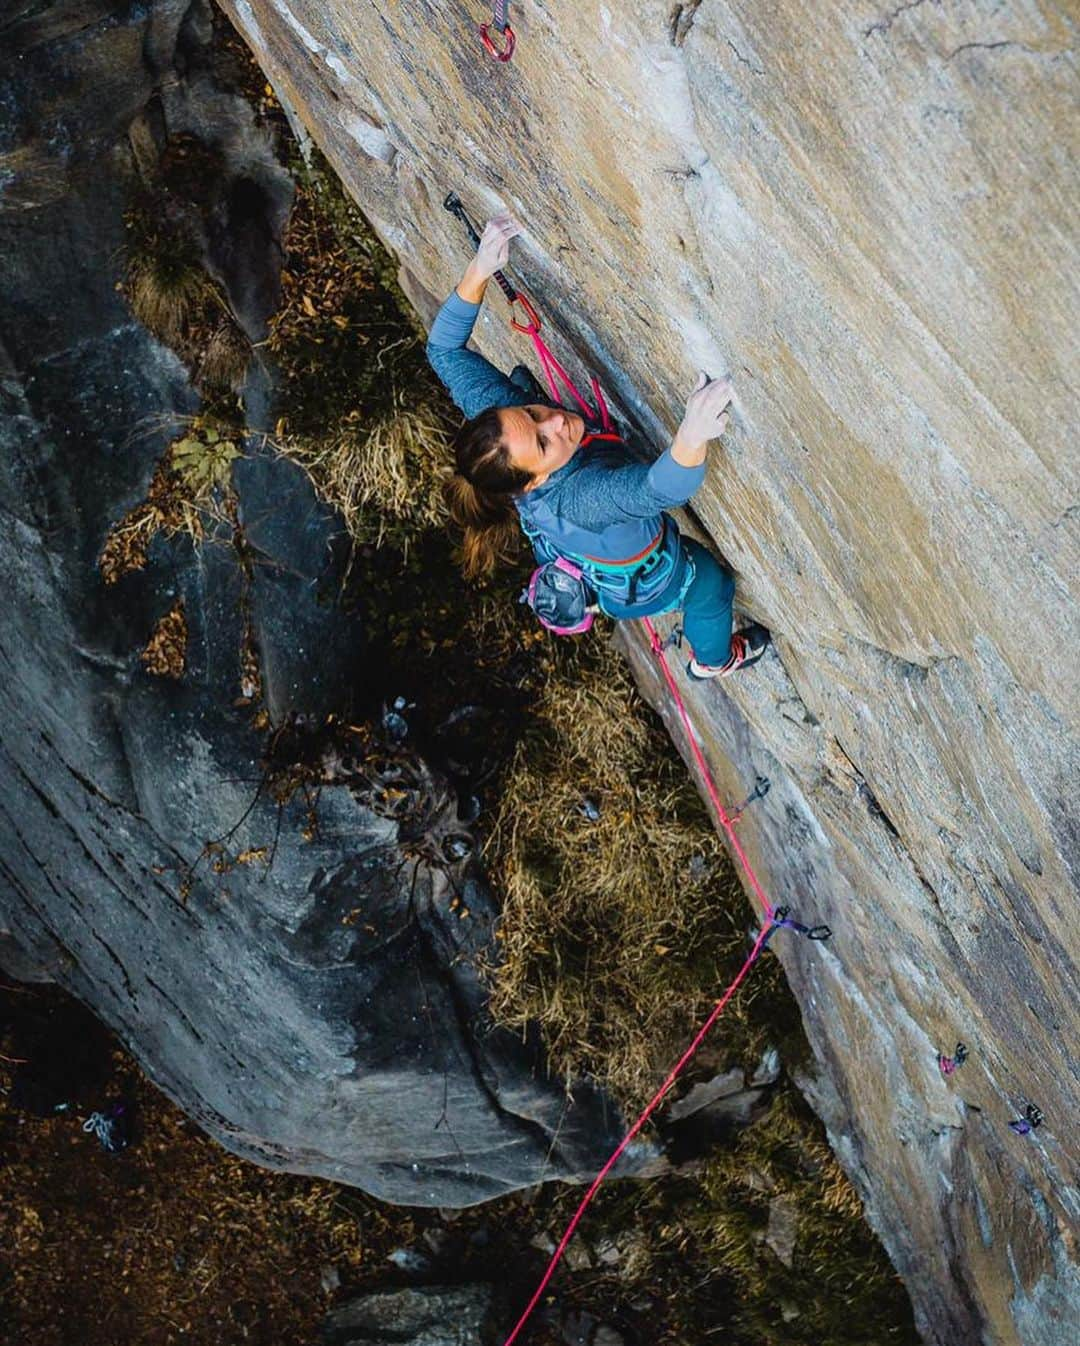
column 431, row 1316
column 860, row 211
column 320, row 1012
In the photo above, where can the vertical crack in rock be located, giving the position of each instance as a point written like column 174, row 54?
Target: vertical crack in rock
column 743, row 60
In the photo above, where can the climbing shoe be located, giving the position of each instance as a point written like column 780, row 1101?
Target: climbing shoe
column 747, row 647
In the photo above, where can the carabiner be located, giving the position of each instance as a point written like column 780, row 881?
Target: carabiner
column 533, row 325
column 508, row 38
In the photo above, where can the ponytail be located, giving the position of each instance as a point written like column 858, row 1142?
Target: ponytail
column 479, row 495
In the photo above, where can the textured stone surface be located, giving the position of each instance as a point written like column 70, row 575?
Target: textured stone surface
column 427, row 1316
column 322, row 1014
column 862, row 212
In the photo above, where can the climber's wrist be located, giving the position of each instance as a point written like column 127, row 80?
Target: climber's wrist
column 685, row 452
column 473, row 283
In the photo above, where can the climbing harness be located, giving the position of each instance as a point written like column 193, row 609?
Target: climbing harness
column 949, row 1064
column 499, row 23
column 775, row 919
column 565, row 588
column 581, row 581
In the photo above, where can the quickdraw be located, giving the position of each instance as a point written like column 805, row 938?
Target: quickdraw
column 454, row 205
column 948, row 1065
column 1031, row 1120
column 762, row 785
column 781, row 919
column 499, row 23
column 554, row 372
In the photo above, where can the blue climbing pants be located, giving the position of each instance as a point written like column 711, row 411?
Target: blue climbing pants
column 707, row 606
column 703, row 590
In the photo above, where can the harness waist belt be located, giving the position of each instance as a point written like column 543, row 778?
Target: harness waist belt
column 643, row 555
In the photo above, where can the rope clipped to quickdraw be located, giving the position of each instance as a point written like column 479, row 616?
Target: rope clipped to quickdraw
column 554, row 372
column 499, row 23
column 782, row 917
column 775, row 919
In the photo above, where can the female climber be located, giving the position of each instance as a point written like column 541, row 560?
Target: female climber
column 522, row 459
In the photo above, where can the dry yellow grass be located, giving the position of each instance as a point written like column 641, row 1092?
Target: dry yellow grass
column 226, row 356
column 620, row 906
column 383, row 477
column 171, row 294
column 167, row 290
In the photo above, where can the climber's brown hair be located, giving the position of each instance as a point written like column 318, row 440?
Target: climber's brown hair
column 479, row 493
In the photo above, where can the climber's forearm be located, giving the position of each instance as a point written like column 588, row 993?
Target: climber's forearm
column 473, row 382
column 473, row 284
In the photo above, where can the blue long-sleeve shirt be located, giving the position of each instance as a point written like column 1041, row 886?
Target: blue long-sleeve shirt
column 603, row 503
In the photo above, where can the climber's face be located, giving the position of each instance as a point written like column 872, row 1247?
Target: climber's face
column 540, row 439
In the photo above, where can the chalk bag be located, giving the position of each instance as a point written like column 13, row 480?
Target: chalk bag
column 561, row 598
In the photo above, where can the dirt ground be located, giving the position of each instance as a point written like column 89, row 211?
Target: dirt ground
column 173, row 1240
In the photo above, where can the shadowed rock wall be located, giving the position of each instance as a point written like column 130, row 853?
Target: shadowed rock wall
column 322, row 1013
column 862, row 212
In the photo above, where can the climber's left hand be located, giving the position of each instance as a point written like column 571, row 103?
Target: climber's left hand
column 494, row 250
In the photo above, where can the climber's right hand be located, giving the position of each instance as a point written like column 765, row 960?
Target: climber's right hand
column 494, row 250
column 706, row 414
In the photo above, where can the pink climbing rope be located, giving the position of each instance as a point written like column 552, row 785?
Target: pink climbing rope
column 555, row 373
column 728, row 823
column 653, row 1104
